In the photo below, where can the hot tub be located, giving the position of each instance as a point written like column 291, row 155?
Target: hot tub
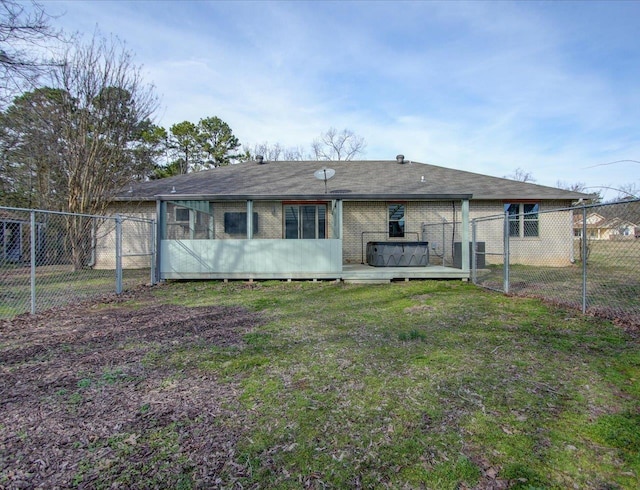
column 398, row 254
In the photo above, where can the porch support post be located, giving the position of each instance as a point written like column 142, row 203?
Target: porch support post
column 152, row 246
column 337, row 219
column 249, row 219
column 465, row 235
column 336, row 231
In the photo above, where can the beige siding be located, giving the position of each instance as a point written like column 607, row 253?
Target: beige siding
column 553, row 246
column 136, row 238
column 366, row 221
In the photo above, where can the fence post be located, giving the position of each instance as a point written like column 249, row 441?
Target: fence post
column 152, row 238
column 118, row 254
column 584, row 259
column 474, row 263
column 444, row 247
column 505, row 232
column 33, row 262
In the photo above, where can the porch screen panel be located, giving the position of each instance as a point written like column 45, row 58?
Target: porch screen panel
column 305, row 221
column 291, row 222
column 188, row 220
column 308, row 221
column 322, row 222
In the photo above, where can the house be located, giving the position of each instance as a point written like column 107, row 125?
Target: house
column 603, row 228
column 342, row 220
column 15, row 237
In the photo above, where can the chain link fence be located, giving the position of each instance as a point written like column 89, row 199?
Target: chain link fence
column 444, row 242
column 585, row 257
column 52, row 259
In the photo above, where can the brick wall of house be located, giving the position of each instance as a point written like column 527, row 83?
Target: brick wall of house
column 365, row 221
column 552, row 247
column 135, row 237
column 424, row 221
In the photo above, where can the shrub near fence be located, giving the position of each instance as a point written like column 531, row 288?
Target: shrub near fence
column 585, row 257
column 51, row 259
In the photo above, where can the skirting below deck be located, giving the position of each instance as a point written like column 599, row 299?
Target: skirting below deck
column 350, row 273
column 354, row 272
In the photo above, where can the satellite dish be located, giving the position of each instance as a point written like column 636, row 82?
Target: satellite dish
column 324, row 174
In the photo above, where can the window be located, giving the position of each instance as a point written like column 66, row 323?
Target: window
column 236, row 223
column 305, row 221
column 191, row 220
column 182, row 214
column 396, row 220
column 523, row 219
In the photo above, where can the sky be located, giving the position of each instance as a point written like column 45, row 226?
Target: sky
column 552, row 88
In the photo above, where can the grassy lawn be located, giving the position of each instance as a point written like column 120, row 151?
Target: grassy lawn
column 613, row 280
column 427, row 383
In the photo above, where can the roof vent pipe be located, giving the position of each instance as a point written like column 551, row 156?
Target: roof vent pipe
column 260, row 159
column 400, row 158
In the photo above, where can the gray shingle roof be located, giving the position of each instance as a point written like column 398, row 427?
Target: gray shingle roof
column 352, row 180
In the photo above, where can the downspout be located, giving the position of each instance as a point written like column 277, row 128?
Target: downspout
column 465, row 235
column 453, row 229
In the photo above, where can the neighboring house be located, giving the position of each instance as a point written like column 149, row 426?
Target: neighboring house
column 15, row 238
column 602, row 228
column 137, row 238
column 11, row 237
column 283, row 220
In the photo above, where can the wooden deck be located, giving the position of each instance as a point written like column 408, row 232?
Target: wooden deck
column 351, row 273
column 366, row 273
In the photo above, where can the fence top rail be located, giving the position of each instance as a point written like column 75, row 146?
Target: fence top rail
column 556, row 210
column 64, row 213
column 614, row 203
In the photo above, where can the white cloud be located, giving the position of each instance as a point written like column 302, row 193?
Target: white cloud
column 479, row 86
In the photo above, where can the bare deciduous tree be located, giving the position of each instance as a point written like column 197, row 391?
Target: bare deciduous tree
column 293, row 154
column 107, row 101
column 568, row 186
column 338, row 145
column 627, row 191
column 274, row 152
column 25, row 35
column 521, row 175
column 100, row 123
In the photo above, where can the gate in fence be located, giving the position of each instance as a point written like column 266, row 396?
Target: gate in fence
column 589, row 257
column 51, row 259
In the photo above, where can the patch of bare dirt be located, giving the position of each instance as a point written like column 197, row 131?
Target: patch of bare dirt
column 82, row 404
